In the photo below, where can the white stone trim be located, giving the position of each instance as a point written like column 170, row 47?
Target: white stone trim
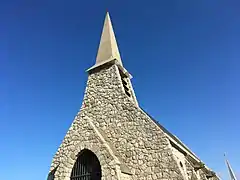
column 103, row 140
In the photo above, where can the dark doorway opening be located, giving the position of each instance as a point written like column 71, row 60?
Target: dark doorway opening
column 87, row 167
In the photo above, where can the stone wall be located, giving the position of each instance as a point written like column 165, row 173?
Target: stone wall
column 126, row 176
column 181, row 160
column 187, row 169
column 83, row 135
column 111, row 125
column 192, row 174
column 139, row 142
column 202, row 175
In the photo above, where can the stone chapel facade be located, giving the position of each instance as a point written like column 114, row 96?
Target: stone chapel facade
column 112, row 138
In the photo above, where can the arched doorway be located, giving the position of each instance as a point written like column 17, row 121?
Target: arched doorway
column 87, row 167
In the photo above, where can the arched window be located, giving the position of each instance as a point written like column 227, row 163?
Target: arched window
column 87, row 167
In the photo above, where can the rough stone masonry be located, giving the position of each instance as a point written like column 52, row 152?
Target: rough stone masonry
column 128, row 143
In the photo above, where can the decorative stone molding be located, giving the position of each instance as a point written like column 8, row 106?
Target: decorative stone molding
column 83, row 135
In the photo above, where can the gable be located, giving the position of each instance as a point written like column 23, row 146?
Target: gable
column 127, row 141
column 83, row 134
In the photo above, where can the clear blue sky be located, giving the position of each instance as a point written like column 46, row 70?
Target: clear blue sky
column 184, row 57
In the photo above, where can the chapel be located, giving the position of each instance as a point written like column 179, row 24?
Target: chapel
column 113, row 138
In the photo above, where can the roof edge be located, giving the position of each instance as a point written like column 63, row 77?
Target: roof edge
column 182, row 147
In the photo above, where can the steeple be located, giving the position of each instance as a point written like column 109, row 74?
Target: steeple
column 109, row 117
column 108, row 48
column 232, row 175
column 108, row 53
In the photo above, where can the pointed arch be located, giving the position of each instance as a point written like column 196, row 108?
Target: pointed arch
column 86, row 167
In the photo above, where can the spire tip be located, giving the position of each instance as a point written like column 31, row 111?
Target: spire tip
column 108, row 48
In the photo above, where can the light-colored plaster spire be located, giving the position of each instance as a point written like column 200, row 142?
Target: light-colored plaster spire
column 108, row 48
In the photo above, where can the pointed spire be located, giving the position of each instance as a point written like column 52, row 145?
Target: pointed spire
column 231, row 173
column 108, row 48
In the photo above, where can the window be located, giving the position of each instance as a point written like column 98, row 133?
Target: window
column 125, row 83
column 181, row 164
column 87, row 167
